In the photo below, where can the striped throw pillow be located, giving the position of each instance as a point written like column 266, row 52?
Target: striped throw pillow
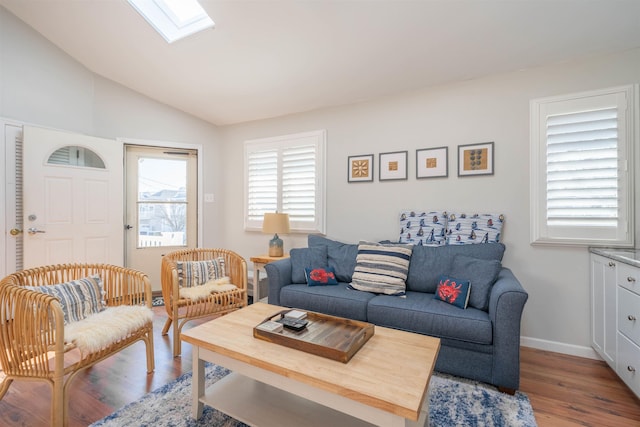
column 78, row 298
column 196, row 273
column 381, row 268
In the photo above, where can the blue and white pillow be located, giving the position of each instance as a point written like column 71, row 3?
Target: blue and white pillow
column 381, row 268
column 436, row 228
column 196, row 273
column 78, row 298
column 464, row 229
column 423, row 228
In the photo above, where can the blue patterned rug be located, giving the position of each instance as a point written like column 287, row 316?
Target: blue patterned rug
column 453, row 402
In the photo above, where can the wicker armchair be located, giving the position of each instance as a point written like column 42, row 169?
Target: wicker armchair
column 32, row 330
column 181, row 310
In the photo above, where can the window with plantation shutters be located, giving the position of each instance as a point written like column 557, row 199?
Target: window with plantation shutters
column 286, row 174
column 581, row 180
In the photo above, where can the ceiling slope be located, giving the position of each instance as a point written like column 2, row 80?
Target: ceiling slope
column 272, row 58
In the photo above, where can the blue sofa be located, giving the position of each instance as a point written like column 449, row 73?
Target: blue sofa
column 481, row 342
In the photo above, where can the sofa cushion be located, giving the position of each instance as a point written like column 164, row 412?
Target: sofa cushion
column 334, row 300
column 428, row 263
column 419, row 312
column 302, row 258
column 78, row 298
column 320, row 276
column 340, row 256
column 196, row 273
column 453, row 291
column 381, row 268
column 481, row 272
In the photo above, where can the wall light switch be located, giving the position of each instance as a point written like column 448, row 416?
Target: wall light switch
column 208, row 198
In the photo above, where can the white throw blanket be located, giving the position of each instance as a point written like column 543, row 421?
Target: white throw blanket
column 110, row 325
column 199, row 292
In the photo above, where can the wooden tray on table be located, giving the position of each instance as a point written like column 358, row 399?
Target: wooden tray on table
column 328, row 336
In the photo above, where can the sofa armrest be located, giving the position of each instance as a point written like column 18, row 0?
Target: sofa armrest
column 279, row 275
column 506, row 304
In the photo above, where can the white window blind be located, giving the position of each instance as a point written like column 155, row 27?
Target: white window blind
column 582, row 168
column 299, row 183
column 286, row 174
column 581, row 186
column 262, row 183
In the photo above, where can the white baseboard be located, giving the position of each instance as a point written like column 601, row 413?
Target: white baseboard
column 559, row 347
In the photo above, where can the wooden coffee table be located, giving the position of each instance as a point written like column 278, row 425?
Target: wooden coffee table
column 384, row 384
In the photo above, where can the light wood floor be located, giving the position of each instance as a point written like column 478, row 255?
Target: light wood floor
column 564, row 390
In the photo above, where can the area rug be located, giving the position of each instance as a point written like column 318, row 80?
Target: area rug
column 452, row 402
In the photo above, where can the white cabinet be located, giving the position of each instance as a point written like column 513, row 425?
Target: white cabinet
column 615, row 311
column 603, row 307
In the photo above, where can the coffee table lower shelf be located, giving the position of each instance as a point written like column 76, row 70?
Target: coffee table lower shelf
column 258, row 397
column 259, row 404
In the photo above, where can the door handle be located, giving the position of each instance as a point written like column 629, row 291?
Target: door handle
column 15, row 231
column 34, row 230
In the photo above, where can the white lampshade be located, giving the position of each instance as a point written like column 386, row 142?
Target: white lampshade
column 275, row 223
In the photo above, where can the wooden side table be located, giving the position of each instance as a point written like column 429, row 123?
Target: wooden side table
column 258, row 264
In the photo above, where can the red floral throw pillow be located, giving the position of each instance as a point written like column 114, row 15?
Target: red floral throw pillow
column 320, row 276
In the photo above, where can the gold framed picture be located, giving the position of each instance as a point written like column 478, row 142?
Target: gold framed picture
column 475, row 159
column 432, row 162
column 360, row 168
column 393, row 166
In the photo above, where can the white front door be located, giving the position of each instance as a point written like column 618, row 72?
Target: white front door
column 72, row 198
column 161, row 206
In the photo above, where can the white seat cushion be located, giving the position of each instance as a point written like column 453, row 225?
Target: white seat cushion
column 199, row 292
column 102, row 329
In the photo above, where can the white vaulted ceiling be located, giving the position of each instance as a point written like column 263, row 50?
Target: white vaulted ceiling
column 268, row 58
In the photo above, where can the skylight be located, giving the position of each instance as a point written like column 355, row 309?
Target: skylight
column 173, row 19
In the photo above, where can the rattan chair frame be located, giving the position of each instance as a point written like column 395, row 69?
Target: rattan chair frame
column 32, row 327
column 182, row 310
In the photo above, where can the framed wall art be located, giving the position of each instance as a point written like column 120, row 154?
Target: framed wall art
column 360, row 168
column 393, row 166
column 475, row 159
column 432, row 162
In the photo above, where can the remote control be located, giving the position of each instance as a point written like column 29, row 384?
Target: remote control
column 296, row 325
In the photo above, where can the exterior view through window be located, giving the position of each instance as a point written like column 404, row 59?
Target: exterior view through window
column 162, row 202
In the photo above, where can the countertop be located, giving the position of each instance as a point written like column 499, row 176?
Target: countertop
column 627, row 256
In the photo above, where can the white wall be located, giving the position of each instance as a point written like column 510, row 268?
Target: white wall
column 41, row 85
column 495, row 109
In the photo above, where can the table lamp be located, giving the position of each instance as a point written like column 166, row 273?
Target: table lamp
column 275, row 223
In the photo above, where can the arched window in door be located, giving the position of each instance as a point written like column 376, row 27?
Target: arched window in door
column 72, row 155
